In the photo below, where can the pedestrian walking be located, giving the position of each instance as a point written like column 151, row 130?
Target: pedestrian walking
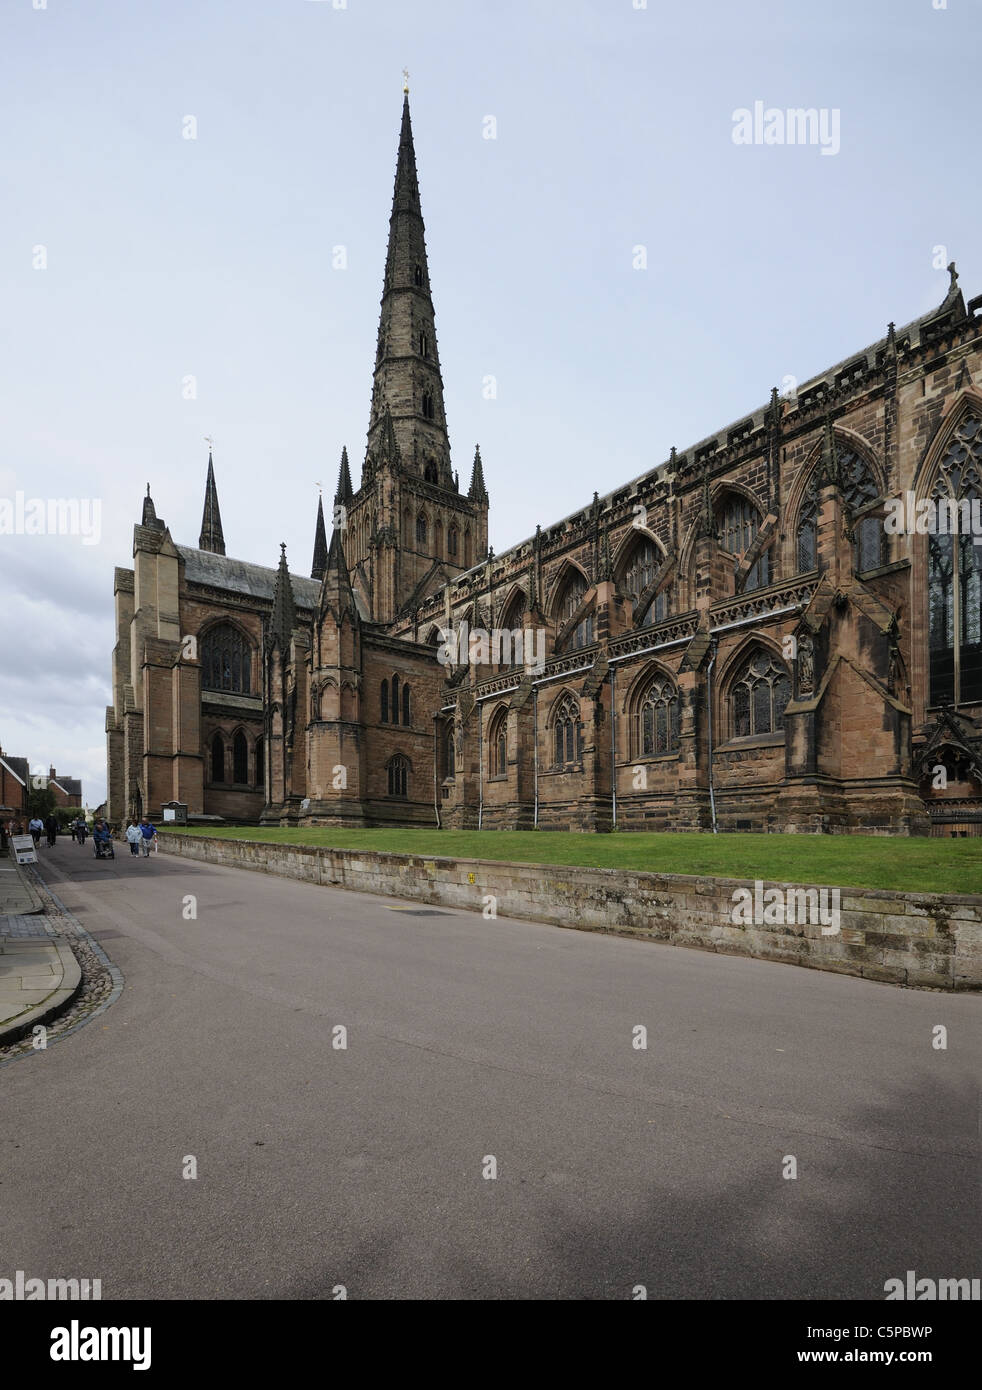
column 51, row 826
column 82, row 830
column 74, row 829
column 133, row 837
column 148, row 835
column 35, row 826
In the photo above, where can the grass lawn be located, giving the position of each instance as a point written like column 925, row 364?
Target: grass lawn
column 866, row 861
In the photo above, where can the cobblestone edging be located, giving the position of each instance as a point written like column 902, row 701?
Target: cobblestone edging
column 928, row 940
column 101, row 982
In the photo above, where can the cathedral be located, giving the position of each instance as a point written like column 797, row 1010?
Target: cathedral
column 778, row 628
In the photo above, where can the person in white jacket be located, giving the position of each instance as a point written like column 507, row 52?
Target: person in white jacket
column 133, row 837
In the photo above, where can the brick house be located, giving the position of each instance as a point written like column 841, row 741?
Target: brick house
column 742, row 635
column 67, row 791
column 14, row 786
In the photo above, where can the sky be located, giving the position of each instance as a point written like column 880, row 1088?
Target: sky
column 178, row 175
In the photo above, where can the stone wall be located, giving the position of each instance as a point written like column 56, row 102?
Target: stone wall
column 918, row 939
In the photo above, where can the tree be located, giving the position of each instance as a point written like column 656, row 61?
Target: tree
column 40, row 802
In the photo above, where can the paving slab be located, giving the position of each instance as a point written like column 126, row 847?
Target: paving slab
column 38, row 978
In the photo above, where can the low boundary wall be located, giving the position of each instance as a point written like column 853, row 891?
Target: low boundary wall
column 928, row 940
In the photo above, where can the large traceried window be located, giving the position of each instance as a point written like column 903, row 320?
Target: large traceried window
column 656, row 720
column 858, row 489
column 737, row 523
column 451, row 753
column 567, row 733
column 572, row 596
column 226, row 660
column 955, row 571
column 644, row 563
column 758, row 695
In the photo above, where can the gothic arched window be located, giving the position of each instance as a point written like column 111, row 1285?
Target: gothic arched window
column 383, row 702
column 424, row 345
column 955, row 608
column 570, row 599
column 405, row 705
column 451, row 754
column 395, row 699
column 428, row 411
column 452, row 542
column 656, row 720
column 226, row 660
column 498, row 744
column 398, row 772
column 217, row 758
column 643, row 566
column 240, row 758
column 421, row 529
column 858, row 488
column 758, row 695
column 737, row 523
column 418, row 275
column 567, row 736
column 430, row 471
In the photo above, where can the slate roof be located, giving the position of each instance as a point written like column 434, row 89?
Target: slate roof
column 18, row 766
column 241, row 577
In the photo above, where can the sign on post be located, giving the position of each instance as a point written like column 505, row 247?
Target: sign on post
column 24, row 851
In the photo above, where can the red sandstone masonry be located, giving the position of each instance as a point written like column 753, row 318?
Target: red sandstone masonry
column 917, row 939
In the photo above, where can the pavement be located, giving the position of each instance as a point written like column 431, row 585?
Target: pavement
column 39, row 974
column 301, row 1088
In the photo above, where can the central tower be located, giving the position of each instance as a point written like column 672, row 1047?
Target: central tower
column 408, row 527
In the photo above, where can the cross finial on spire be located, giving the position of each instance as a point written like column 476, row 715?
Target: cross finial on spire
column 405, row 79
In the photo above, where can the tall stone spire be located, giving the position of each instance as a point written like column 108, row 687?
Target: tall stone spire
column 407, row 364
column 345, row 491
column 284, row 617
column 477, row 492
column 320, row 544
column 211, row 537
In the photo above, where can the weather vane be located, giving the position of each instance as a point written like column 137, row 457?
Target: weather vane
column 405, row 79
column 210, row 442
column 319, row 487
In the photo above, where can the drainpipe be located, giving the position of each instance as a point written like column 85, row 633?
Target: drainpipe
column 709, row 704
column 535, row 755
column 613, row 746
column 436, row 755
column 480, row 767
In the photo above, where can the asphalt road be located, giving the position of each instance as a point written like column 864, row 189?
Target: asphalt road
column 364, row 1167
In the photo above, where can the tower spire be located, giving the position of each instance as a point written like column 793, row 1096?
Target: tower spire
column 319, row 561
column 407, row 365
column 211, row 537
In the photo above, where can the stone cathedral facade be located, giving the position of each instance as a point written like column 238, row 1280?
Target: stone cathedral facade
column 761, row 632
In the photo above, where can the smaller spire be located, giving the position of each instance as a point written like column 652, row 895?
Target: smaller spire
column 284, row 609
column 149, row 513
column 477, row 492
column 336, row 591
column 345, row 491
column 388, row 450
column 830, row 458
column 319, row 562
column 212, row 537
